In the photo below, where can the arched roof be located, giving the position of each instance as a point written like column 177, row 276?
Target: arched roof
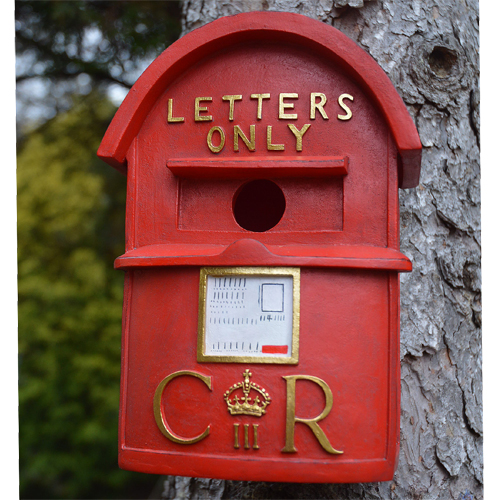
column 272, row 26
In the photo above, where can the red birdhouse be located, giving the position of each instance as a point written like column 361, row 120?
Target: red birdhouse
column 263, row 155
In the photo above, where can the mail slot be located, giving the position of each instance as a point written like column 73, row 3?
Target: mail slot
column 263, row 155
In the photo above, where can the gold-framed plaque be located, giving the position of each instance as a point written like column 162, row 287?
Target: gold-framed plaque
column 249, row 315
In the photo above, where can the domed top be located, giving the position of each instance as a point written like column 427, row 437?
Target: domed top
column 265, row 26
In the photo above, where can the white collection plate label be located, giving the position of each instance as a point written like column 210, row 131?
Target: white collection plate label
column 248, row 316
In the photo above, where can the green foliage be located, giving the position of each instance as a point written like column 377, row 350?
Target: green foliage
column 107, row 40
column 71, row 210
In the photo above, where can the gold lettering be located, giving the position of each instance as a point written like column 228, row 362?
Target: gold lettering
column 318, row 105
column 198, row 109
column 255, row 436
column 170, row 117
column 236, row 435
column 344, row 107
column 299, row 134
column 312, row 423
column 259, row 98
column 250, row 144
column 246, row 445
column 270, row 145
column 159, row 418
column 231, row 99
column 216, row 149
column 287, row 105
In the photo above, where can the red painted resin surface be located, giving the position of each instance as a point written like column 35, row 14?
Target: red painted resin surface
column 340, row 227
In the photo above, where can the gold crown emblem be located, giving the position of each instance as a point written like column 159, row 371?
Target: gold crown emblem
column 243, row 405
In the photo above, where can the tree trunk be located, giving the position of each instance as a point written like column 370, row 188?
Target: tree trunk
column 430, row 52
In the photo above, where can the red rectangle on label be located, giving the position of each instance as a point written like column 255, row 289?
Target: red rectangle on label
column 274, row 349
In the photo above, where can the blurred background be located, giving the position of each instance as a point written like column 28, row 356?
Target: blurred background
column 75, row 62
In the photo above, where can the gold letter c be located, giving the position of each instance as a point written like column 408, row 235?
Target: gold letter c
column 160, row 420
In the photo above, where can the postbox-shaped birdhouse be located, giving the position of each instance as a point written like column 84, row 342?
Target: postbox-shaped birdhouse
column 263, row 155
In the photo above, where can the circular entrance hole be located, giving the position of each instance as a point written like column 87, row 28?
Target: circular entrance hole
column 259, row 205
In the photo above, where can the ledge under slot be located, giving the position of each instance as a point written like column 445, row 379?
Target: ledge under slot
column 249, row 252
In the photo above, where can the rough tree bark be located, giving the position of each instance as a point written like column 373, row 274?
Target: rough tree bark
column 429, row 49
